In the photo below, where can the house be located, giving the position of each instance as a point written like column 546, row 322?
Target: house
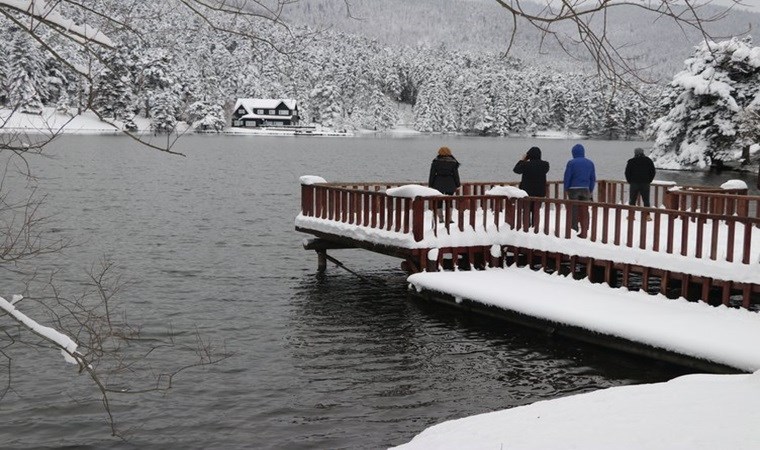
column 265, row 112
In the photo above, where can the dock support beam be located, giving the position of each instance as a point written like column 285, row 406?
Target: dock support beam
column 321, row 261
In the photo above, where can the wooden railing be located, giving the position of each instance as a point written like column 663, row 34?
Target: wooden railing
column 367, row 205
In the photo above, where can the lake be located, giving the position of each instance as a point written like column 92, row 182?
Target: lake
column 207, row 243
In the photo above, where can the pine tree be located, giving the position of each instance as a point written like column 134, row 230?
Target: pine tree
column 706, row 107
column 114, row 96
column 27, row 80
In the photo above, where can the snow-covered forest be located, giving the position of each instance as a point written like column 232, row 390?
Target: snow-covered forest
column 182, row 70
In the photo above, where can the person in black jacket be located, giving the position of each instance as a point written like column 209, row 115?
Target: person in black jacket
column 533, row 170
column 444, row 176
column 639, row 173
column 444, row 172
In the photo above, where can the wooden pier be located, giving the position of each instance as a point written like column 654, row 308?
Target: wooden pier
column 708, row 230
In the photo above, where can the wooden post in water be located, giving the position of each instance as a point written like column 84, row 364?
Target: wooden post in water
column 321, row 261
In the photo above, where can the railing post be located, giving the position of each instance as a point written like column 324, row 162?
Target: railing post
column 418, row 218
column 307, row 199
column 602, row 191
column 669, row 199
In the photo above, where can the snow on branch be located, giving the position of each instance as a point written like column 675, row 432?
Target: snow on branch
column 45, row 13
column 66, row 344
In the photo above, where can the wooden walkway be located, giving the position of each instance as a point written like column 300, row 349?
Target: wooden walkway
column 697, row 243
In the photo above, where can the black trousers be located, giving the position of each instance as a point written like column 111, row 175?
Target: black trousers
column 637, row 189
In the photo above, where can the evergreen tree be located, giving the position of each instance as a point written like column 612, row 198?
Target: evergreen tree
column 114, row 85
column 205, row 117
column 164, row 111
column 707, row 105
column 27, row 84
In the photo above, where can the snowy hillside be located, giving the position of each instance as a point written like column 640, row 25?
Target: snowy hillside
column 470, row 25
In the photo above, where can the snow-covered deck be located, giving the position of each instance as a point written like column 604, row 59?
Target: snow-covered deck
column 696, row 245
column 693, row 236
column 694, row 329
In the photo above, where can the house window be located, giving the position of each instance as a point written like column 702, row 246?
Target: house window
column 241, row 111
column 272, row 112
column 283, row 112
column 259, row 111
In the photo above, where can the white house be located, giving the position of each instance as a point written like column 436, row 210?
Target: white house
column 265, row 112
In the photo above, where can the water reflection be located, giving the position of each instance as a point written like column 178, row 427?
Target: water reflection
column 376, row 354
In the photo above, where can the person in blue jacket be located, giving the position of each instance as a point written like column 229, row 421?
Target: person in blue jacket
column 580, row 178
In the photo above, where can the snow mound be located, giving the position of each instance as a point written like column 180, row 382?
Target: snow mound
column 311, row 179
column 412, row 191
column 508, row 191
column 734, row 184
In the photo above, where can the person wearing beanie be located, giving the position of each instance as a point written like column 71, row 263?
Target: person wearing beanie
column 579, row 181
column 639, row 173
column 533, row 170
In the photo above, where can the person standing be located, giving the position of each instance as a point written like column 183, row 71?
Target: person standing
column 444, row 176
column 444, row 172
column 639, row 173
column 533, row 170
column 579, row 181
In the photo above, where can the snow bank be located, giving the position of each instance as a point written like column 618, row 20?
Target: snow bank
column 52, row 122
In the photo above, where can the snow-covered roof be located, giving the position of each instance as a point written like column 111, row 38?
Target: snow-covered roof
column 266, row 116
column 251, row 104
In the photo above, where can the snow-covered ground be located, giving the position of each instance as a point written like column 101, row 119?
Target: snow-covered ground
column 52, row 122
column 693, row 412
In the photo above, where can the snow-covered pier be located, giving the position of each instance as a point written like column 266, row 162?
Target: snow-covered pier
column 694, row 245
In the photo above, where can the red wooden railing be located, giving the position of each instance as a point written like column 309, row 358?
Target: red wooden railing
column 367, row 205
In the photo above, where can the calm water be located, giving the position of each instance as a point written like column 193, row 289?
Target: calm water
column 207, row 243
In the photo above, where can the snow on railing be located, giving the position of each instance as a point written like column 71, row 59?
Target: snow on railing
column 703, row 224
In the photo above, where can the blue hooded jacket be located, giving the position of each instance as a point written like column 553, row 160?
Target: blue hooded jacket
column 580, row 171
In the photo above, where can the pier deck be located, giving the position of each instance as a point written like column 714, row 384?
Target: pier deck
column 697, row 245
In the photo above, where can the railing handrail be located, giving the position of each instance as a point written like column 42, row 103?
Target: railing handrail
column 375, row 209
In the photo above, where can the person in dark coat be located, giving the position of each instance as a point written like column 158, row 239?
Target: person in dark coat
column 444, row 172
column 444, row 176
column 580, row 178
column 639, row 173
column 533, row 170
